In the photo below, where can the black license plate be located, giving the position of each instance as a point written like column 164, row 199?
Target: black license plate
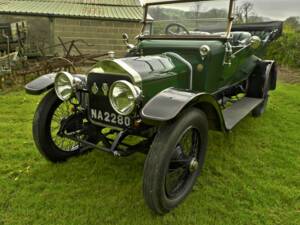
column 110, row 118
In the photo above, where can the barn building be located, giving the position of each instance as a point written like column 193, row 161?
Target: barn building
column 98, row 22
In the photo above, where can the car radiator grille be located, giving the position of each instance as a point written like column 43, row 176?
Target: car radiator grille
column 100, row 111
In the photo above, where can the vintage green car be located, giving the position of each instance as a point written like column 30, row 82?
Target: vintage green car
column 192, row 70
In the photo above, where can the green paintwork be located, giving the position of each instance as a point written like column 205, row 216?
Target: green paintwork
column 214, row 76
column 164, row 63
column 159, row 71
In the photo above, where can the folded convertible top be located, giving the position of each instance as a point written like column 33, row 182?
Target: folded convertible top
column 273, row 26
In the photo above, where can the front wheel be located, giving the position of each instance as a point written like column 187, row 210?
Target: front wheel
column 46, row 126
column 174, row 161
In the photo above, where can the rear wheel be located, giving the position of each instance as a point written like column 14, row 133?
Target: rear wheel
column 174, row 161
column 258, row 87
column 46, row 126
column 260, row 109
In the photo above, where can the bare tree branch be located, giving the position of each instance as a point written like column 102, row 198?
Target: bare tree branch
column 243, row 11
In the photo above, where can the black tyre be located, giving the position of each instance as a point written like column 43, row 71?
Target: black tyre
column 259, row 110
column 175, row 160
column 46, row 124
column 258, row 87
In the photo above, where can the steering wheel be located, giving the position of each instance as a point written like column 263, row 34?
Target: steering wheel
column 178, row 27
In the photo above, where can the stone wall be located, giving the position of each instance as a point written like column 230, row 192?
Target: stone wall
column 103, row 35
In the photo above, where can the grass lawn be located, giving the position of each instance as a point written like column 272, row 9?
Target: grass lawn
column 251, row 175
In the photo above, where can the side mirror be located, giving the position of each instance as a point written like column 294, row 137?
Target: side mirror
column 126, row 41
column 255, row 42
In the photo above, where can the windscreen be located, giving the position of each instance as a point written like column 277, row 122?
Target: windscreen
column 187, row 18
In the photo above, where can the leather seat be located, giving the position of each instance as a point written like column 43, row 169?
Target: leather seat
column 239, row 37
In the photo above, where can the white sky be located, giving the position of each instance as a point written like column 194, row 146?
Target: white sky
column 275, row 9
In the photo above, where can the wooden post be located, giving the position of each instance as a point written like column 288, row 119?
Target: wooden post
column 52, row 35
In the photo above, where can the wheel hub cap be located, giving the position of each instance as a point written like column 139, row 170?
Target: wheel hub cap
column 193, row 165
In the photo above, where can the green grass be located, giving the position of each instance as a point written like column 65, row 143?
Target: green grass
column 251, row 175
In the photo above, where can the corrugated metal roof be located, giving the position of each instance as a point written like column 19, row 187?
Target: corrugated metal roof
column 74, row 8
column 94, row 2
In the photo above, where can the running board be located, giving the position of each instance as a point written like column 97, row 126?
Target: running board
column 239, row 110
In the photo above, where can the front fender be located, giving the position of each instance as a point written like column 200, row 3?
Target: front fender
column 168, row 104
column 41, row 84
column 272, row 71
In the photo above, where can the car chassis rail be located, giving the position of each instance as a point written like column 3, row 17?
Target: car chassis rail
column 114, row 146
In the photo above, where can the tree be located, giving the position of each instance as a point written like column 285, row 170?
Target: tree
column 244, row 11
column 294, row 22
column 196, row 9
